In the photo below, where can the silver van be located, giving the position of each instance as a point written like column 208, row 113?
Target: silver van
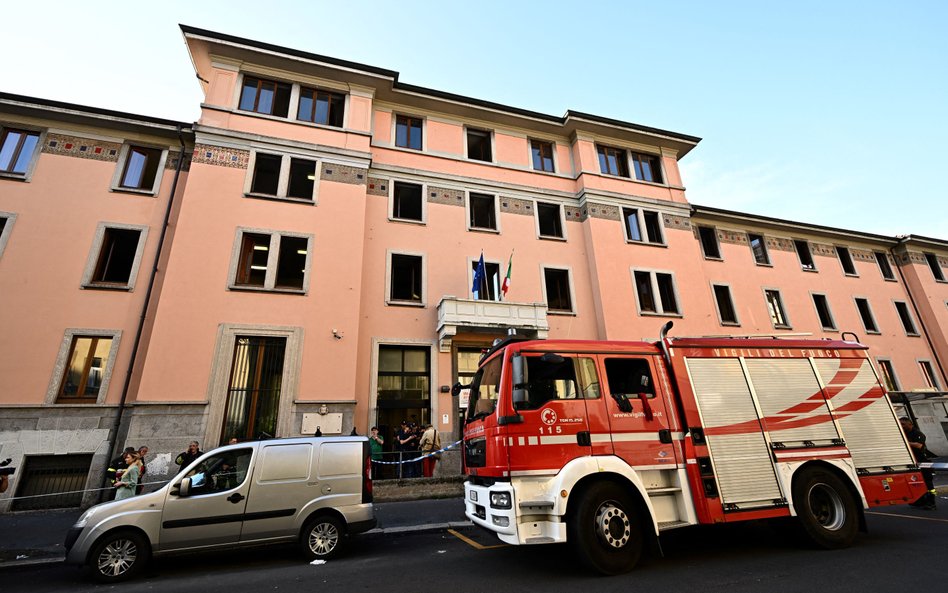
column 315, row 491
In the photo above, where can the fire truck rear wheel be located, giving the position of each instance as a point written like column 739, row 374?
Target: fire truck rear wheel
column 606, row 529
column 826, row 509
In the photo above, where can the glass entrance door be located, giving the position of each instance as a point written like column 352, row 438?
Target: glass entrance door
column 253, row 396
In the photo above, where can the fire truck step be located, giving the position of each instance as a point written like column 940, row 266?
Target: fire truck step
column 537, row 504
column 654, row 491
column 539, row 540
column 666, row 525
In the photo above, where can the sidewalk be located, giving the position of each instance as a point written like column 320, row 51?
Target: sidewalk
column 31, row 538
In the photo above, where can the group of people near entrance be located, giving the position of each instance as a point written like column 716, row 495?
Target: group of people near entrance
column 411, row 441
column 127, row 471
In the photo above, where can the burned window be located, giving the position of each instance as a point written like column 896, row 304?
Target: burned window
column 406, row 278
column 266, row 174
column 116, row 258
column 803, row 252
column 16, row 151
column 551, row 223
column 85, row 369
column 268, row 97
column 478, row 145
column 321, row 107
column 759, row 249
column 302, row 179
column 558, row 297
column 628, row 377
column 551, row 377
column 483, row 212
column 407, row 201
column 408, row 132
column 647, row 167
column 823, row 312
column 709, row 242
column 541, row 153
column 722, row 298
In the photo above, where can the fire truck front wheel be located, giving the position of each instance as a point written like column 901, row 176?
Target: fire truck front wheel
column 826, row 509
column 606, row 529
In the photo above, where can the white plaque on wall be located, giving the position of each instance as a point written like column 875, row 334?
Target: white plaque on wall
column 327, row 423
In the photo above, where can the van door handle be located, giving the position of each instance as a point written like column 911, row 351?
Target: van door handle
column 235, row 497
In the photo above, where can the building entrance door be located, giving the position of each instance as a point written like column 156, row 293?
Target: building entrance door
column 253, row 396
column 404, row 394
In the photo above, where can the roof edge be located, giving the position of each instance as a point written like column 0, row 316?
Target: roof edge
column 99, row 111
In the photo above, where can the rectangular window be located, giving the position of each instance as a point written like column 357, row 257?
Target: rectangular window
column 542, row 154
column 254, row 390
column 141, row 167
column 408, row 131
column 647, row 167
column 928, row 372
column 846, row 260
column 17, row 148
column 889, row 381
column 406, row 279
column 483, row 212
column 884, row 267
column 489, row 289
column 407, row 201
column 868, row 319
column 116, row 257
column 656, row 293
column 282, row 176
column 759, row 249
column 722, row 298
column 643, row 226
column 823, row 312
column 6, row 227
column 908, row 324
column 935, row 267
column 709, row 242
column 265, row 96
column 478, row 145
column 558, row 297
column 778, row 315
column 613, row 161
column 85, row 369
column 551, row 223
column 321, row 107
column 803, row 252
column 272, row 261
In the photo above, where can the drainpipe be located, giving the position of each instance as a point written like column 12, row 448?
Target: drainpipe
column 921, row 322
column 113, row 436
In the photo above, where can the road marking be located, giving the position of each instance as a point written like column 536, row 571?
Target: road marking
column 909, row 517
column 473, row 543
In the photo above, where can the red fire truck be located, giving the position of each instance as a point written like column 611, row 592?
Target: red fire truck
column 606, row 444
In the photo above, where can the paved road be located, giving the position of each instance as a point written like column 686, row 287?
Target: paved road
column 904, row 545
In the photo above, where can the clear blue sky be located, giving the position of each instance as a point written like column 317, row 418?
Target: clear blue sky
column 815, row 111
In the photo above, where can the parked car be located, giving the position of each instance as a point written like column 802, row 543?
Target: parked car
column 315, row 491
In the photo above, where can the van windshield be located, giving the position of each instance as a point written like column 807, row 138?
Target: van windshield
column 484, row 389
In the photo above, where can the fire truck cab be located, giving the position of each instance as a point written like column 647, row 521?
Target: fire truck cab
column 605, row 444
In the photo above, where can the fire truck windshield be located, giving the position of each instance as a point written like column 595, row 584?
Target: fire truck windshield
column 484, row 389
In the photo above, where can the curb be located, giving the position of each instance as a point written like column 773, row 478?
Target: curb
column 34, row 562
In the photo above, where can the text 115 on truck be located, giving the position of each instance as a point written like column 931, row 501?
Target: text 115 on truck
column 605, row 444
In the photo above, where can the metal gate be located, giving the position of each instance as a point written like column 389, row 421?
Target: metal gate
column 253, row 396
column 52, row 474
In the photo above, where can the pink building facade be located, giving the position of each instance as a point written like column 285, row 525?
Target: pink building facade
column 321, row 250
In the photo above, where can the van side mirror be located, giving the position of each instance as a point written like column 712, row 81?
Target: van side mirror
column 520, row 393
column 183, row 488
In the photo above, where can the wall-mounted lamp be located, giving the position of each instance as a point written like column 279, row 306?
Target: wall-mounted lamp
column 323, row 410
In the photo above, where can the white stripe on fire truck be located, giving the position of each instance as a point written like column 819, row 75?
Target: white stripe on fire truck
column 604, row 437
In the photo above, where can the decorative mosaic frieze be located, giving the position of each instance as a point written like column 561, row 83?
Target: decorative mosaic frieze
column 603, row 211
column 83, row 148
column 822, row 249
column 724, row 236
column 220, row 156
column 172, row 161
column 679, row 223
column 344, row 174
column 377, row 187
column 779, row 244
column 573, row 213
column 862, row 255
column 449, row 197
column 516, row 206
column 912, row 257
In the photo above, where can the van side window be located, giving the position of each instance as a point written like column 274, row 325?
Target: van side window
column 559, row 377
column 629, row 376
column 217, row 473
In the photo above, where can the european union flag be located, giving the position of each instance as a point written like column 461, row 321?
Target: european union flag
column 480, row 274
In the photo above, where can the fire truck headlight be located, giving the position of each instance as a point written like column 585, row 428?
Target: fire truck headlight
column 500, row 500
column 501, row 521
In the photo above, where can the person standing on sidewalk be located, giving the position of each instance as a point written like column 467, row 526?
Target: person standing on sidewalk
column 125, row 487
column 916, row 439
column 430, row 442
column 194, row 451
column 142, row 451
column 375, row 449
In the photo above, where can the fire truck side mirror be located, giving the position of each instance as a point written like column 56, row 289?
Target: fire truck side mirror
column 519, row 391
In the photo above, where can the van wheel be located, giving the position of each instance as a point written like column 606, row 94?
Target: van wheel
column 322, row 538
column 606, row 529
column 826, row 509
column 118, row 556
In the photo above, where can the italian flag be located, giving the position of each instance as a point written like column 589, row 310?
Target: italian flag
column 506, row 284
